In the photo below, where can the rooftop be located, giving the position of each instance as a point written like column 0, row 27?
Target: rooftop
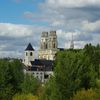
column 29, row 47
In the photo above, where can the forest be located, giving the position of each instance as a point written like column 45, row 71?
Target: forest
column 76, row 77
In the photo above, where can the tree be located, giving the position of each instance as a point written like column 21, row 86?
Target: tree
column 30, row 84
column 11, row 76
column 6, row 90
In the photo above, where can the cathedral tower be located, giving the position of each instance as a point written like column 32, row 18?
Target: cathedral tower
column 44, row 41
column 48, row 45
column 29, row 55
column 72, row 43
column 52, row 41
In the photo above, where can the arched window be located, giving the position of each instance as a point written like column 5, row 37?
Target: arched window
column 31, row 54
column 54, row 45
column 46, row 46
column 26, row 53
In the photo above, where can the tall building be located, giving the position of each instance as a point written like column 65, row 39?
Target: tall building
column 48, row 45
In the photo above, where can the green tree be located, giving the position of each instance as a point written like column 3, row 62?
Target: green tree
column 11, row 76
column 30, row 84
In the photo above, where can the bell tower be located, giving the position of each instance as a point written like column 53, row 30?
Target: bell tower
column 29, row 55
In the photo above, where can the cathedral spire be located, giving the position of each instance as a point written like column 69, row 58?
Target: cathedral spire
column 72, row 42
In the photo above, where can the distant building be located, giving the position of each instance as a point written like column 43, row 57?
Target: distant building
column 41, row 68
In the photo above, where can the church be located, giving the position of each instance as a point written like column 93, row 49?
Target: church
column 42, row 68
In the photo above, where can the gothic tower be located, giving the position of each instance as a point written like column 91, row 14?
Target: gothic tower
column 44, row 41
column 43, row 52
column 29, row 55
column 52, row 45
column 52, row 41
column 48, row 45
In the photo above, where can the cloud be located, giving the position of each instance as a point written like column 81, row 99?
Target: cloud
column 15, row 31
column 15, row 38
column 91, row 26
column 78, row 17
column 80, row 38
column 72, row 3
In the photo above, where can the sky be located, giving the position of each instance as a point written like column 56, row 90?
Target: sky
column 23, row 21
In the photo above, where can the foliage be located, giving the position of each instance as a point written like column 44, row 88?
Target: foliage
column 11, row 75
column 89, row 94
column 73, row 70
column 50, row 91
column 24, row 97
column 30, row 84
column 13, row 80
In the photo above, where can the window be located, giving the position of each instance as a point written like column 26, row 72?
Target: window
column 36, row 76
column 54, row 45
column 46, row 46
column 26, row 53
column 41, row 77
column 31, row 54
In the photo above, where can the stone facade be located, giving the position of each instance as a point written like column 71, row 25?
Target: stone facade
column 48, row 45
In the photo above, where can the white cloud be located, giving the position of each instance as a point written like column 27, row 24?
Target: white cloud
column 14, row 30
column 91, row 26
column 64, row 38
column 13, row 54
column 20, row 33
column 72, row 3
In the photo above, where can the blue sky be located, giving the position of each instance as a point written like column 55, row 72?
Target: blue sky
column 12, row 10
column 23, row 21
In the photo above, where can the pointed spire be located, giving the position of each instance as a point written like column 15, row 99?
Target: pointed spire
column 72, row 43
column 29, row 47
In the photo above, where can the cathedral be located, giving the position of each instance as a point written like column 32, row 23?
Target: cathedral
column 42, row 68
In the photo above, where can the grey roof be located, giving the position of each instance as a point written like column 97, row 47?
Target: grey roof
column 42, row 65
column 61, row 49
column 29, row 47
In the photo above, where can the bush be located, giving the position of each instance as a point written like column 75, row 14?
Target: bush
column 24, row 97
column 89, row 94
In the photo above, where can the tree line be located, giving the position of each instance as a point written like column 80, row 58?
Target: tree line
column 76, row 77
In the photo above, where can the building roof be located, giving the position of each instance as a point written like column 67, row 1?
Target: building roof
column 29, row 47
column 61, row 49
column 44, row 65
